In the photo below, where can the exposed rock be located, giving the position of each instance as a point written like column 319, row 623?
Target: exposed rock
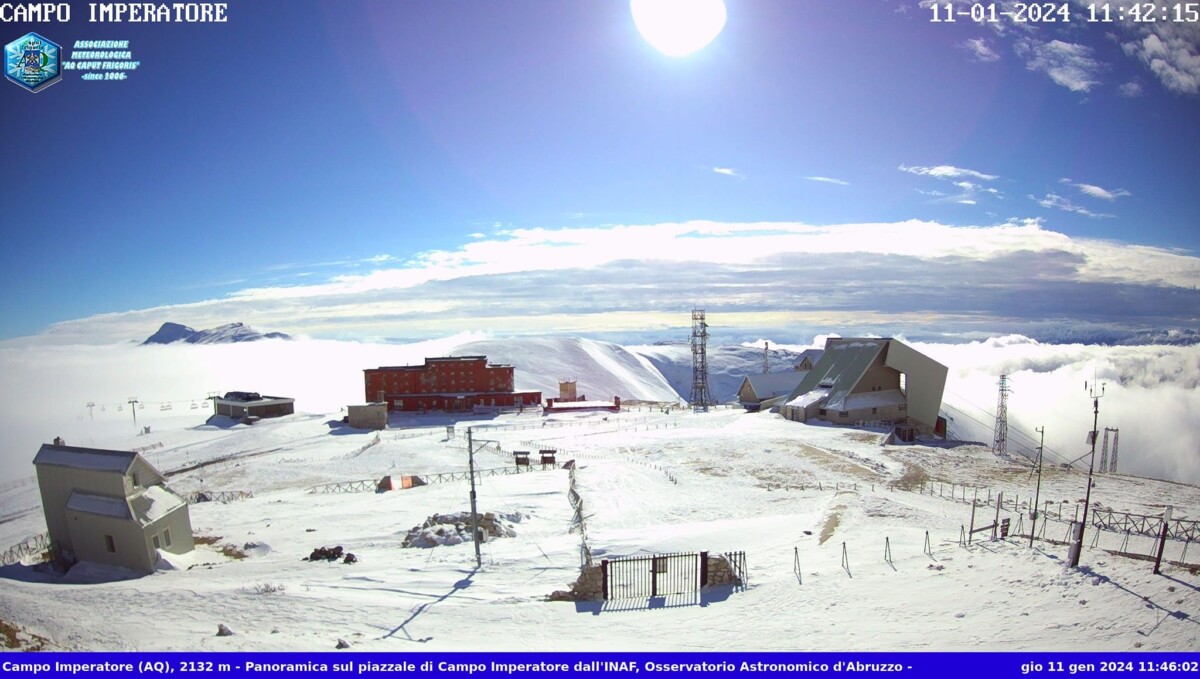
column 350, row 558
column 325, row 554
column 223, row 631
column 342, row 643
column 453, row 529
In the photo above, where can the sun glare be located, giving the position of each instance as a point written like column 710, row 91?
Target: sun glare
column 678, row 28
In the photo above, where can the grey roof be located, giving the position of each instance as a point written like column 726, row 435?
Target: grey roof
column 812, row 355
column 154, row 503
column 100, row 505
column 771, row 385
column 93, row 459
column 840, row 367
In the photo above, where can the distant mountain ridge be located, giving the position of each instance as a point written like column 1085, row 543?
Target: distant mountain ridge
column 171, row 333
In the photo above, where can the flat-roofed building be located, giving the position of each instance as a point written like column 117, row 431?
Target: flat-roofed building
column 251, row 404
column 450, row 384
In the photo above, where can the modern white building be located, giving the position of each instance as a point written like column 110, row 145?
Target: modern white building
column 870, row 380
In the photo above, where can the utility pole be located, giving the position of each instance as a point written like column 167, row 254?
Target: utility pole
column 133, row 409
column 474, row 512
column 1038, row 493
column 90, row 405
column 1077, row 548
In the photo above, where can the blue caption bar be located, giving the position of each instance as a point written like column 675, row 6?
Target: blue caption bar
column 346, row 663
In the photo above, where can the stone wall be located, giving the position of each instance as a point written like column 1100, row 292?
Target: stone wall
column 720, row 572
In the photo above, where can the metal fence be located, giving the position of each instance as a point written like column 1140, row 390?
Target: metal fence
column 650, row 576
column 221, row 496
column 30, row 547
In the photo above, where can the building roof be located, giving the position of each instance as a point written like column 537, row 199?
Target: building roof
column 154, row 503
column 813, row 355
column 253, row 398
column 92, row 459
column 439, row 359
column 840, row 367
column 100, row 505
column 771, row 385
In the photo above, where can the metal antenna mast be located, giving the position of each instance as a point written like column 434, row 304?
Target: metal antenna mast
column 1112, row 461
column 766, row 357
column 1033, row 515
column 1077, row 548
column 701, row 397
column 1000, row 440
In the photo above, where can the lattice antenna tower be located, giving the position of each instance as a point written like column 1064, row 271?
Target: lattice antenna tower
column 1000, row 439
column 1112, row 461
column 1104, row 453
column 701, row 398
column 766, row 357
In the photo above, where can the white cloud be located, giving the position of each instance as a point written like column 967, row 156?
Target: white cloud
column 828, row 180
column 1095, row 191
column 627, row 277
column 1171, row 50
column 1131, row 89
column 1053, row 200
column 727, row 171
column 966, row 201
column 477, row 235
column 979, row 48
column 1068, row 64
column 967, row 186
column 945, row 172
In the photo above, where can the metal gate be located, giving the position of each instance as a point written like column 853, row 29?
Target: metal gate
column 650, row 576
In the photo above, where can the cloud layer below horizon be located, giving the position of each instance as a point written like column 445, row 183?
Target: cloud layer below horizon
column 919, row 277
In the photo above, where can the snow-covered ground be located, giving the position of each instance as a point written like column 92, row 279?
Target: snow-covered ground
column 786, row 494
column 795, row 498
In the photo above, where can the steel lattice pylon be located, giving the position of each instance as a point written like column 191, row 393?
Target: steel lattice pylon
column 1000, row 439
column 701, row 397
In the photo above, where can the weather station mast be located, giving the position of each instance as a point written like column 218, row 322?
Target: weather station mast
column 1077, row 548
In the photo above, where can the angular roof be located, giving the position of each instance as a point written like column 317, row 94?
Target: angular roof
column 772, row 385
column 840, row 367
column 813, row 355
column 154, row 503
column 92, row 459
column 100, row 505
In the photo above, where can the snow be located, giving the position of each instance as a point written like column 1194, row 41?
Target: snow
column 726, row 480
column 154, row 503
column 98, row 504
column 809, row 398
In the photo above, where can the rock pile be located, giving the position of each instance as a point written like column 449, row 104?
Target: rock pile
column 331, row 554
column 452, row 529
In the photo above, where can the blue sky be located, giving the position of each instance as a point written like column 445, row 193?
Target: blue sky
column 362, row 169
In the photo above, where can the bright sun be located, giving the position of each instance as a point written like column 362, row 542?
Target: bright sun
column 678, row 28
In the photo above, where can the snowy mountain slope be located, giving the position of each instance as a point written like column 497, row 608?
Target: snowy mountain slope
column 225, row 334
column 727, row 366
column 601, row 369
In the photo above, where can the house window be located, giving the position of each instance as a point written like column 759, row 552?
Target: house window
column 154, row 538
column 110, row 544
column 843, row 413
column 135, row 480
column 167, row 536
column 822, row 412
column 874, row 411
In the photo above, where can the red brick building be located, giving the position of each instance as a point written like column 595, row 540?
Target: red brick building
column 451, row 384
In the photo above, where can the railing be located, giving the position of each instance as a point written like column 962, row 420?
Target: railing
column 30, row 547
column 221, row 496
column 371, row 485
column 651, row 576
column 1140, row 524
